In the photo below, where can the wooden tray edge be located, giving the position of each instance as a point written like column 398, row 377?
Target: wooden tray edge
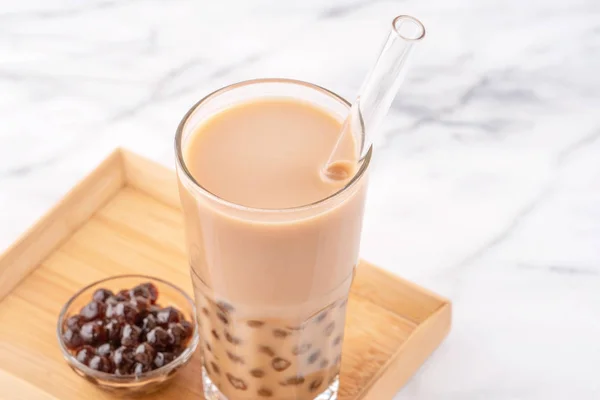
column 410, row 357
column 58, row 223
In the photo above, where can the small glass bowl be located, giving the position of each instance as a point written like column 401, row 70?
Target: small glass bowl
column 168, row 295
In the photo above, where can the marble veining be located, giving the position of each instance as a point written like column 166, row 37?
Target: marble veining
column 486, row 184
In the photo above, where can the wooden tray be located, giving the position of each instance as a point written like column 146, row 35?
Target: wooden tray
column 125, row 218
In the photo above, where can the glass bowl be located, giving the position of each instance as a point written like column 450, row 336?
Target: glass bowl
column 168, row 295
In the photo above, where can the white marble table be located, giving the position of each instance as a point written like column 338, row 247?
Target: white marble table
column 486, row 188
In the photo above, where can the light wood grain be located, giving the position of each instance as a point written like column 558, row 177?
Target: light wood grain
column 151, row 178
column 75, row 208
column 106, row 229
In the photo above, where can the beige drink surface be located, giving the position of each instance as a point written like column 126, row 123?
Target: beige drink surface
column 271, row 289
column 267, row 153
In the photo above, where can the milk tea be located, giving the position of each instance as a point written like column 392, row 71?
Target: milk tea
column 272, row 260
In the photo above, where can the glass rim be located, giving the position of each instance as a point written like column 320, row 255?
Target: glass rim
column 181, row 165
column 420, row 34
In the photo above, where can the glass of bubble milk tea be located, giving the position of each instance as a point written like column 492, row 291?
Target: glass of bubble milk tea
column 273, row 224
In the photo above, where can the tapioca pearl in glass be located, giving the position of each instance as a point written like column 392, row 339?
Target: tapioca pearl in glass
column 235, row 358
column 188, row 328
column 328, row 331
column 142, row 305
column 265, row 392
column 225, row 307
column 144, row 353
column 314, row 357
column 139, row 368
column 130, row 335
column 72, row 339
column 85, row 354
column 75, row 322
column 215, row 368
column 236, row 341
column 253, row 323
column 93, row 333
column 177, row 334
column 167, row 315
column 159, row 338
column 293, row 381
column 280, row 364
column 101, row 295
column 236, row 382
column 301, row 348
column 316, row 384
column 102, row 364
column 280, row 333
column 324, row 363
column 93, row 310
column 337, row 340
column 162, row 358
column 123, row 358
column 124, row 312
column 266, row 350
column 105, row 349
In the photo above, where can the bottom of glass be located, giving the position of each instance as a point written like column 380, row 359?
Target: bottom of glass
column 212, row 392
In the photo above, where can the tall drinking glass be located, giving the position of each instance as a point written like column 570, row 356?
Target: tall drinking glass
column 271, row 285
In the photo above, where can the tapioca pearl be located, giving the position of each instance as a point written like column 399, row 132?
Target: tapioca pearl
column 85, row 354
column 314, row 357
column 257, row 373
column 321, row 316
column 102, row 364
column 253, row 323
column 280, row 333
column 232, row 339
column 225, row 307
column 280, row 364
column 144, row 354
column 75, row 323
column 215, row 334
column 315, row 384
column 337, row 340
column 72, row 339
column 159, row 338
column 236, row 382
column 104, row 350
column 167, row 315
column 264, row 392
column 324, row 363
column 266, row 350
column 223, row 318
column 130, row 335
column 205, row 311
column 163, row 358
column 93, row 310
column 215, row 368
column 123, row 358
column 329, row 329
column 101, row 295
column 293, row 381
column 177, row 335
column 148, row 323
column 301, row 349
column 235, row 358
column 93, row 332
column 209, row 347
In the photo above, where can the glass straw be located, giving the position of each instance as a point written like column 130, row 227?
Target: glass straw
column 378, row 90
